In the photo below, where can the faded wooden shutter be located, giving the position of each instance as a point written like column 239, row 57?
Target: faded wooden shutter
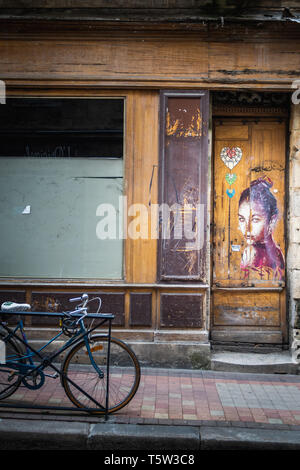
column 183, row 185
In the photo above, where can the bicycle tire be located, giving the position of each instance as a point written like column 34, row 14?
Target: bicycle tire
column 7, row 373
column 124, row 374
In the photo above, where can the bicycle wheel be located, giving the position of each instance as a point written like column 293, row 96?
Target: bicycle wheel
column 78, row 371
column 9, row 377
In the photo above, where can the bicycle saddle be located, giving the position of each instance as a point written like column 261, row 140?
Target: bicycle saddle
column 14, row 307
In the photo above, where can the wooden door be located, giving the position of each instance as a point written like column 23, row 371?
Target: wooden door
column 248, row 300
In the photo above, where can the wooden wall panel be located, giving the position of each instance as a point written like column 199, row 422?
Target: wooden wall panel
column 181, row 310
column 170, row 59
column 140, row 309
column 258, row 60
column 245, row 339
column 246, row 309
column 12, row 296
column 141, row 159
column 105, row 58
column 59, row 301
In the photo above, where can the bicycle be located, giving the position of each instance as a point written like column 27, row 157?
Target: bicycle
column 100, row 374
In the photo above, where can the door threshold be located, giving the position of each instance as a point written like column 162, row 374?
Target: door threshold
column 275, row 362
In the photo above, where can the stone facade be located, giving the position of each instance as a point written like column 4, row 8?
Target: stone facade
column 294, row 231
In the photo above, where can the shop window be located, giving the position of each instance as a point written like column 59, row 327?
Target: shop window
column 60, row 160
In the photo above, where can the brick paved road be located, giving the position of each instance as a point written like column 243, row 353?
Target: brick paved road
column 190, row 396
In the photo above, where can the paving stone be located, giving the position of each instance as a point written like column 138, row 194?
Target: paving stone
column 183, row 396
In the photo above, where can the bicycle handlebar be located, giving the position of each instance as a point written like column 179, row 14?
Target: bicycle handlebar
column 83, row 307
column 84, row 297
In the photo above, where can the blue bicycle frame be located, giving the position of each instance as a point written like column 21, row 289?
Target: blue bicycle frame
column 25, row 364
column 21, row 364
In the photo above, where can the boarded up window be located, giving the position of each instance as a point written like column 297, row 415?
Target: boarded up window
column 60, row 159
column 183, row 185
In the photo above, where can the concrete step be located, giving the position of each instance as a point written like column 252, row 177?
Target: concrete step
column 264, row 363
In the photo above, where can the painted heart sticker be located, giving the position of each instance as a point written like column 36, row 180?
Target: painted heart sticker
column 230, row 178
column 230, row 192
column 231, row 156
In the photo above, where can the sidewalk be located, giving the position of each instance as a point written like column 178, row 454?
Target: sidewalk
column 198, row 408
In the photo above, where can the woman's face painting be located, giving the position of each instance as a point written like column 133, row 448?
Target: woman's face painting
column 253, row 222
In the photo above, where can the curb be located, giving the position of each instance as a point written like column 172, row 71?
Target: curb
column 66, row 435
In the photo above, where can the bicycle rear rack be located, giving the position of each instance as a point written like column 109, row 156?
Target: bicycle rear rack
column 104, row 317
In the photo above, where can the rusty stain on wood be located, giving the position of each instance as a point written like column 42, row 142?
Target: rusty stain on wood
column 184, row 185
column 184, row 126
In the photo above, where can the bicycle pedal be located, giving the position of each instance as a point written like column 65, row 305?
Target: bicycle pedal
column 52, row 376
column 12, row 375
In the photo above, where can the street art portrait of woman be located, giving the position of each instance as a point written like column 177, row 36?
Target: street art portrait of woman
column 258, row 214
